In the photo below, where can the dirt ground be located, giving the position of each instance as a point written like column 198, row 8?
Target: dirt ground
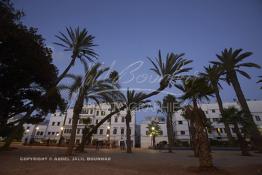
column 51, row 160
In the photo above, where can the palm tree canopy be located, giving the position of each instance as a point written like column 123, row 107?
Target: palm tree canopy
column 195, row 88
column 168, row 105
column 153, row 129
column 93, row 86
column 133, row 100
column 79, row 41
column 231, row 61
column 233, row 115
column 213, row 74
column 171, row 69
column 260, row 81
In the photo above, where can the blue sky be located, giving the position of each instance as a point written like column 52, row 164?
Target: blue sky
column 127, row 32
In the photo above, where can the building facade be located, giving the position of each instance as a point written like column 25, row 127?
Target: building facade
column 60, row 126
column 181, row 131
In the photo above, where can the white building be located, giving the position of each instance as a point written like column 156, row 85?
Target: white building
column 34, row 132
column 60, row 125
column 212, row 112
column 113, row 129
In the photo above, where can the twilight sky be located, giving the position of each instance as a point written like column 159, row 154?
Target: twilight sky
column 127, row 32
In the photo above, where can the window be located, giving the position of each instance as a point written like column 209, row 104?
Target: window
column 96, row 121
column 116, row 119
column 49, row 133
column 182, row 132
column 77, row 141
column 257, row 118
column 58, row 123
column 97, row 112
column 53, row 123
column 28, row 127
column 213, row 111
column 122, row 131
column 215, row 119
column 123, row 119
column 115, row 131
column 160, row 132
column 180, row 122
column 206, row 112
column 103, row 113
column 109, row 120
column 101, row 131
column 41, row 133
column 78, row 131
column 53, row 133
column 91, row 111
column 69, row 122
column 54, row 114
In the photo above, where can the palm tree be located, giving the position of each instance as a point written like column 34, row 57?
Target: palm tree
column 87, row 128
column 91, row 87
column 187, row 113
column 260, row 81
column 133, row 103
column 170, row 71
column 231, row 63
column 153, row 131
column 196, row 89
column 80, row 43
column 168, row 107
column 213, row 75
column 236, row 117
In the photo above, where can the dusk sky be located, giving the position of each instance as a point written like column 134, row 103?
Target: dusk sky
column 128, row 32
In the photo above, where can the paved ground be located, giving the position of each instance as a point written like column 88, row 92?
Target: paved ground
column 146, row 162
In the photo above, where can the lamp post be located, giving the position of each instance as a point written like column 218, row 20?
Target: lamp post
column 61, row 135
column 108, row 135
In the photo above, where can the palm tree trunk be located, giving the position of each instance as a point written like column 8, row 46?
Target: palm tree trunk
column 72, row 62
column 128, row 132
column 242, row 142
column 154, row 141
column 255, row 134
column 205, row 157
column 77, row 110
column 81, row 147
column 221, row 109
column 170, row 132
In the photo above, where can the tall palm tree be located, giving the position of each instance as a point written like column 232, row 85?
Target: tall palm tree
column 170, row 71
column 153, row 131
column 213, row 75
column 168, row 107
column 90, row 87
column 187, row 113
column 87, row 128
column 196, row 89
column 231, row 62
column 260, row 81
column 80, row 43
column 133, row 103
column 236, row 117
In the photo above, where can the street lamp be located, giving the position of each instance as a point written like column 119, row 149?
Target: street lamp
column 108, row 127
column 62, row 128
column 153, row 128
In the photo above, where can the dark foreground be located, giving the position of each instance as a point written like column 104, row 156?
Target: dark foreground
column 140, row 162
